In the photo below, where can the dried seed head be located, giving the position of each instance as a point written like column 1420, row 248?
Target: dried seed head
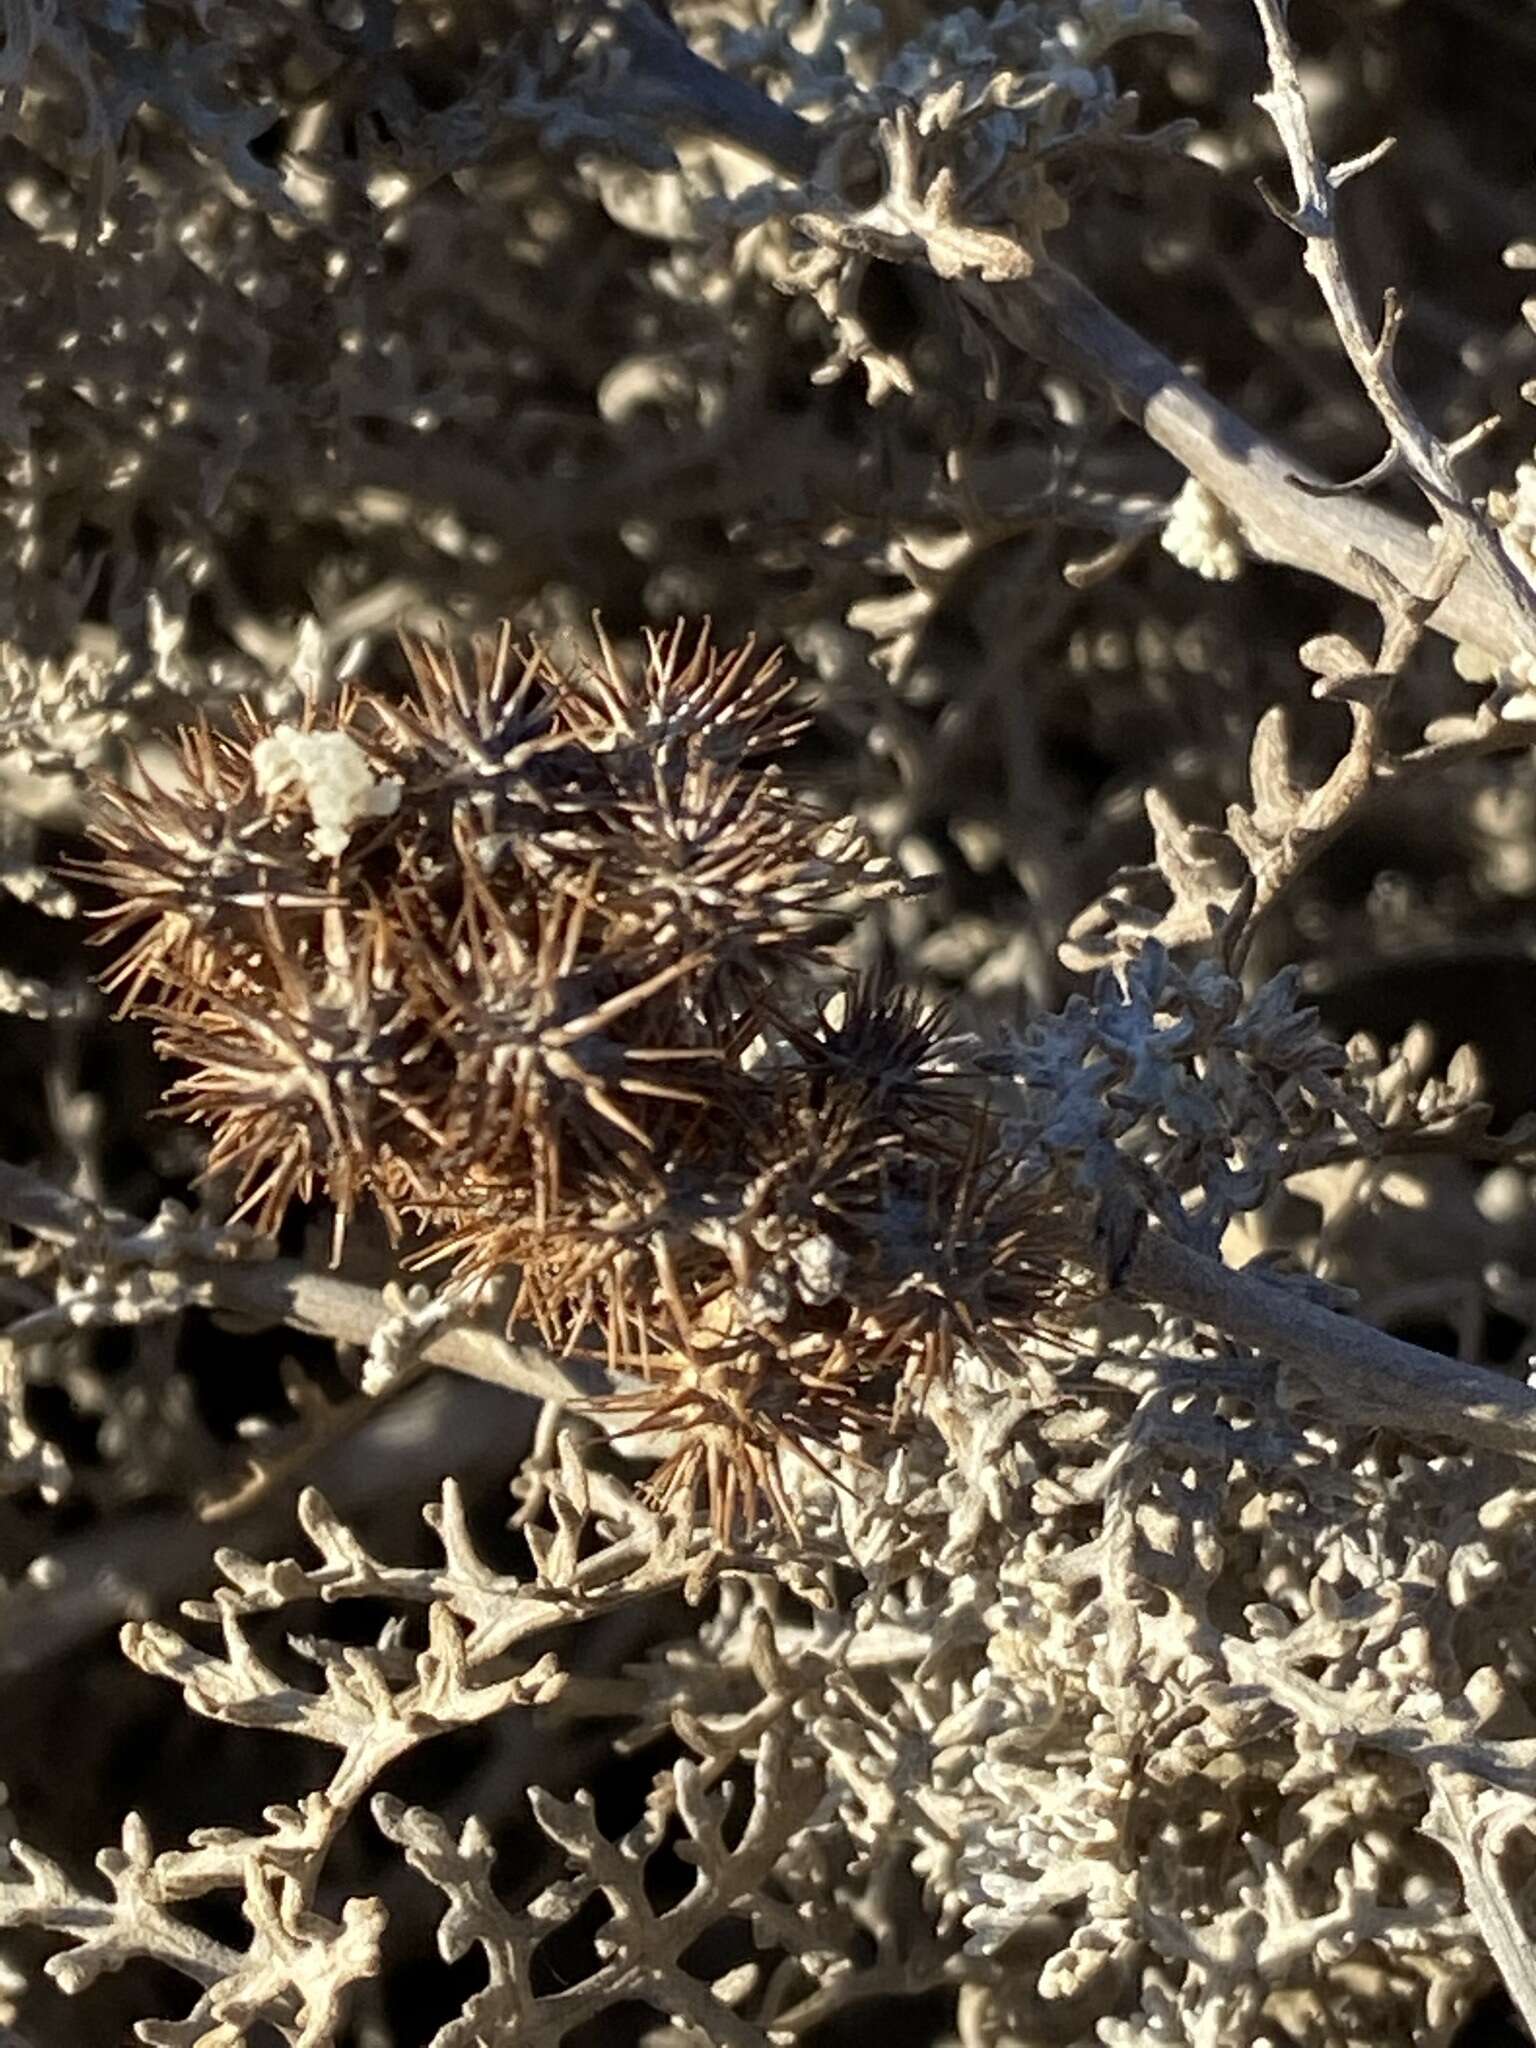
column 741, row 1420
column 195, row 868
column 536, row 957
column 968, row 1259
column 723, row 864
column 296, row 1069
column 548, row 1039
column 683, row 694
column 890, row 1046
column 488, row 751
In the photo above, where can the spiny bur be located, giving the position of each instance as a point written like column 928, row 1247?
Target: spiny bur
column 539, row 959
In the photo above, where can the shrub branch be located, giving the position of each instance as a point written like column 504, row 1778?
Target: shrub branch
column 1365, row 1376
column 1288, row 514
column 1430, row 461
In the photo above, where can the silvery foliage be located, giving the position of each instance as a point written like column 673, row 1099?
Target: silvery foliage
column 1134, row 1701
column 1130, row 1700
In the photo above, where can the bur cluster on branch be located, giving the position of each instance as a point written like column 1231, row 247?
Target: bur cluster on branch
column 539, row 958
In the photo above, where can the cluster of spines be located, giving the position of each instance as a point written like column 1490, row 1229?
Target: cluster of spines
column 565, row 1004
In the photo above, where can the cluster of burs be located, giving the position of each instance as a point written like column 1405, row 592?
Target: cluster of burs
column 540, row 959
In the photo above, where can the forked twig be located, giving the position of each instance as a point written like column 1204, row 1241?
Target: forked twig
column 1287, row 513
column 1430, row 461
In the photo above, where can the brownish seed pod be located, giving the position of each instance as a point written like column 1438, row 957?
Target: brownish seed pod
column 536, row 958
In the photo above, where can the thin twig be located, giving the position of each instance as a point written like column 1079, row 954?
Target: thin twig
column 1272, row 496
column 729, row 107
column 1053, row 318
column 1430, row 461
column 285, row 1291
column 1285, row 827
column 1452, row 1821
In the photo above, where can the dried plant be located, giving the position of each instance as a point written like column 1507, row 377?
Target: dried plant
column 527, row 958
column 974, row 1178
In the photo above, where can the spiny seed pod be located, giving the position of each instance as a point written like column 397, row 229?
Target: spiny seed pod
column 731, row 710
column 299, row 1075
column 740, row 1416
column 547, row 1040
column 194, row 869
column 898, row 1051
column 536, row 959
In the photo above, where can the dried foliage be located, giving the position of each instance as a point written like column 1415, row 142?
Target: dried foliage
column 509, row 957
column 974, row 1179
